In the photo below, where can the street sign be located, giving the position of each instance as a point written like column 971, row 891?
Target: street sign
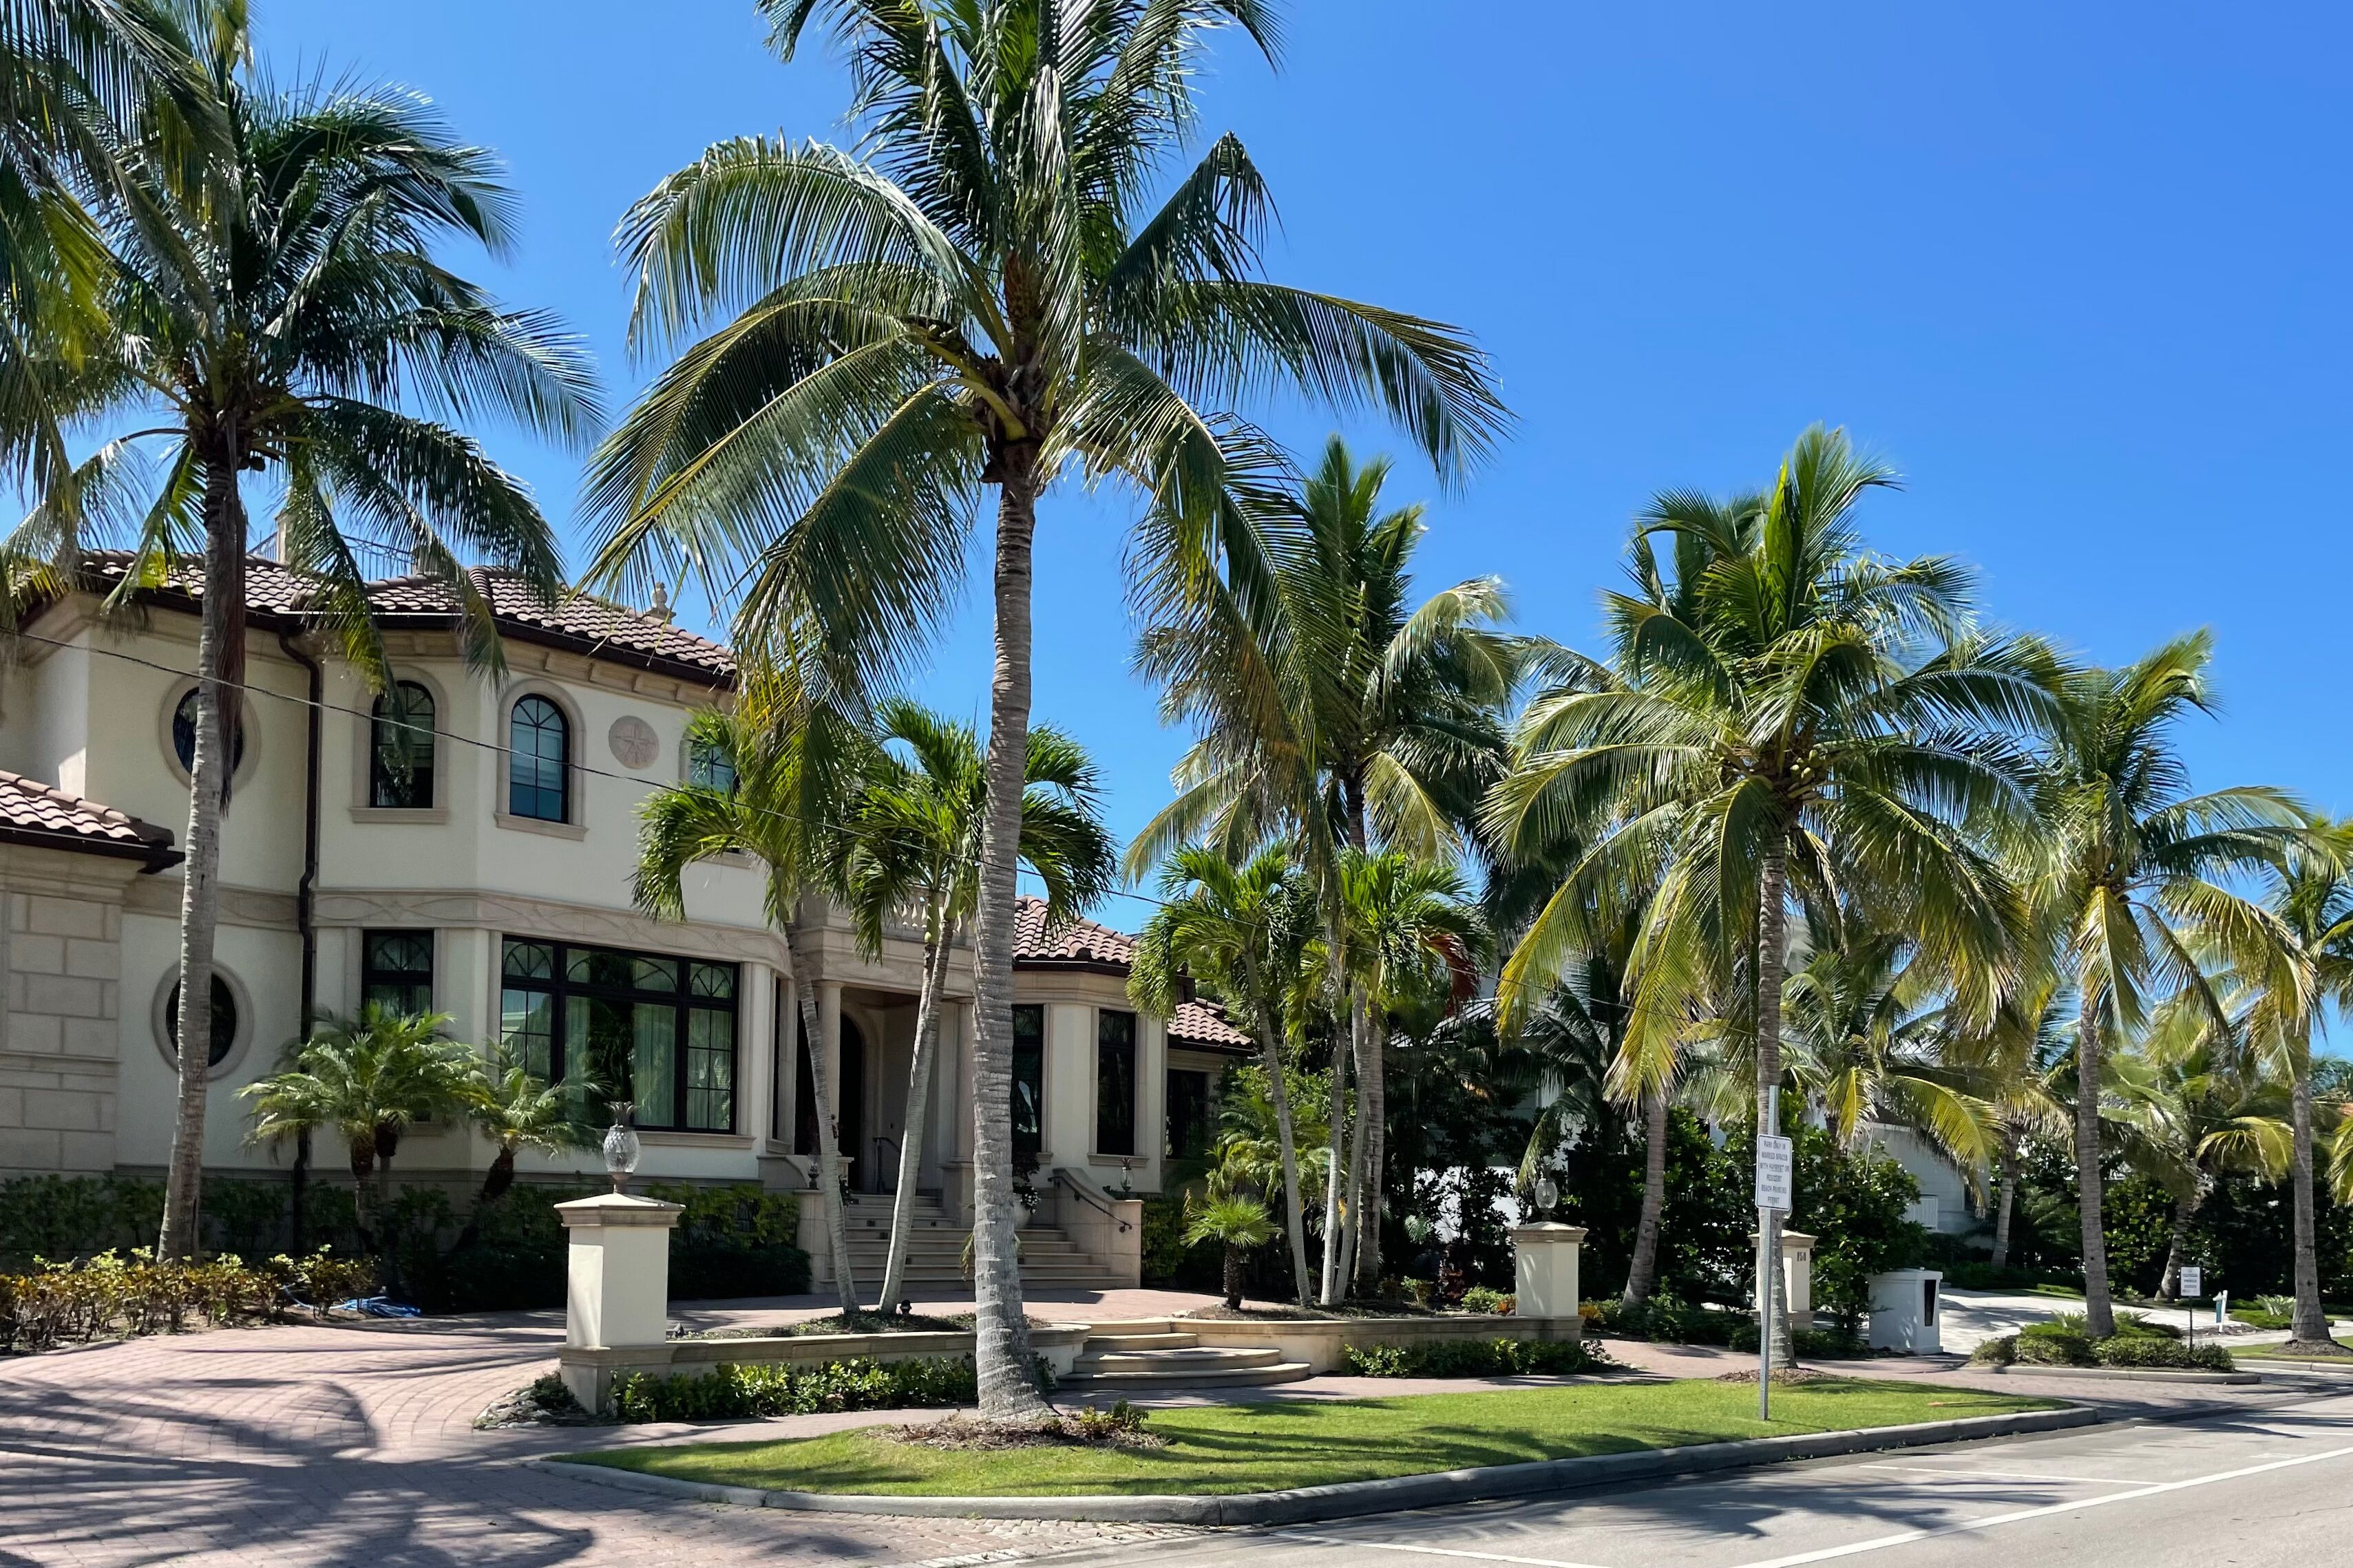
column 1774, row 1159
column 2193, row 1281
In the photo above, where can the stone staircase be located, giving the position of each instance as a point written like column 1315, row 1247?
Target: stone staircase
column 1051, row 1261
column 1154, row 1353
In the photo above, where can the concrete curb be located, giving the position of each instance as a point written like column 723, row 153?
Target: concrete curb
column 1348, row 1498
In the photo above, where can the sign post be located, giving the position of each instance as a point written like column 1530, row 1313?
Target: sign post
column 2193, row 1284
column 1774, row 1161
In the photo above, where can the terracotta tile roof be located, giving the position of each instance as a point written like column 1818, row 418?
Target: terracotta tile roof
column 34, row 813
column 1084, row 944
column 593, row 627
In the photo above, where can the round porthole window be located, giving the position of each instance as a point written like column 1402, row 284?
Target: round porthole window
column 224, row 1022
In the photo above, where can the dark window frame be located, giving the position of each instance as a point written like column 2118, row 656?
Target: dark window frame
column 560, row 987
column 397, row 788
column 224, row 1022
column 1195, row 1100
column 708, row 766
column 1030, row 1138
column 525, row 799
column 1115, row 1066
column 377, row 975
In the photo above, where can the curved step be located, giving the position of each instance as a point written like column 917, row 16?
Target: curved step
column 1236, row 1377
column 1199, row 1358
column 1142, row 1342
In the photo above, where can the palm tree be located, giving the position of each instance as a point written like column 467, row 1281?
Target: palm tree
column 2311, row 894
column 2137, row 869
column 792, row 762
column 1872, row 1042
column 1787, row 718
column 1412, row 934
column 2191, row 1108
column 518, row 1110
column 1331, row 706
column 912, row 841
column 1242, row 931
column 68, row 70
column 986, row 301
column 369, row 1080
column 1239, row 1222
column 273, row 300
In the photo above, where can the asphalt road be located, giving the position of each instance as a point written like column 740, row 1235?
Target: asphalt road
column 2251, row 1488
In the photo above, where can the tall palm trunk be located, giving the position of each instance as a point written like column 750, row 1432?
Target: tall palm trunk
column 1642, row 1273
column 828, row 1137
column 1360, row 1138
column 2310, row 1321
column 2099, row 1315
column 1772, row 933
column 1375, row 1117
column 219, row 666
column 2185, row 1214
column 919, row 1101
column 1001, row 1334
column 1294, row 1213
column 2006, row 1200
column 1336, row 1175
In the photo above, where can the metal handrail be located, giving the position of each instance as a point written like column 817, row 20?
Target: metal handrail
column 1111, row 1214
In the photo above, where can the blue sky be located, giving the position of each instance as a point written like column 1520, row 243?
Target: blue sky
column 2077, row 270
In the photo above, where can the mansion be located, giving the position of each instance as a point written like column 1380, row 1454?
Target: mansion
column 463, row 845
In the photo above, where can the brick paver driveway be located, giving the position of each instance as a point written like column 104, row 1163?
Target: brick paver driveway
column 311, row 1446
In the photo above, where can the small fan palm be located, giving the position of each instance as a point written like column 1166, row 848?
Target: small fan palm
column 517, row 1110
column 1236, row 1222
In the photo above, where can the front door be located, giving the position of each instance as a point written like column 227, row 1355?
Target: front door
column 853, row 1109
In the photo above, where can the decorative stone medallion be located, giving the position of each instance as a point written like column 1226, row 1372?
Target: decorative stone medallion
column 634, row 742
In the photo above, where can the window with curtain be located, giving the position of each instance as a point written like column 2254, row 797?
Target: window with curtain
column 1028, row 1079
column 657, row 1031
column 539, row 764
column 1114, row 1082
column 396, row 971
column 400, row 749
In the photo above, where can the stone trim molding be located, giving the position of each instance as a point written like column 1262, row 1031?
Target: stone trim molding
column 256, row 906
column 513, row 912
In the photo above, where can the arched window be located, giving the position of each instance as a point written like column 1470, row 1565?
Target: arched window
column 183, row 738
column 224, row 1021
column 400, row 748
column 539, row 772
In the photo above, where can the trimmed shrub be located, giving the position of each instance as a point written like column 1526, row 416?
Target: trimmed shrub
column 2050, row 1344
column 1497, row 1303
column 2137, row 1350
column 1832, row 1343
column 1662, row 1320
column 732, row 1392
column 2000, row 1351
column 1476, row 1358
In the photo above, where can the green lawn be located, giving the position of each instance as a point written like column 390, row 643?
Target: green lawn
column 2281, row 1352
column 1269, row 1446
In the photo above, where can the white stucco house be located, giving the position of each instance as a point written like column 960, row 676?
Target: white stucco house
column 484, row 873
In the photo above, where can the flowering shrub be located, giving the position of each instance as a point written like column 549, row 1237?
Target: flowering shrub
column 58, row 1303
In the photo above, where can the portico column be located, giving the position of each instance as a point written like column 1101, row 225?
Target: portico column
column 789, row 1066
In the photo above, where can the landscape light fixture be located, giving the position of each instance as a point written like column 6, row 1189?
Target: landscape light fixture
column 621, row 1146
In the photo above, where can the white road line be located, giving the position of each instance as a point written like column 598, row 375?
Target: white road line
column 1302, row 1535
column 1881, row 1542
column 2006, row 1475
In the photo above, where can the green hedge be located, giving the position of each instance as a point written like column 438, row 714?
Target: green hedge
column 1474, row 1358
column 732, row 1392
column 731, row 1241
column 112, row 1295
